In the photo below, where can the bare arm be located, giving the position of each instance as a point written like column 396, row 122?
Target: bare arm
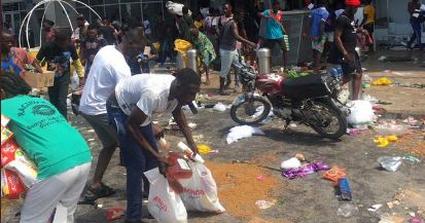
column 240, row 38
column 136, row 118
column 187, row 132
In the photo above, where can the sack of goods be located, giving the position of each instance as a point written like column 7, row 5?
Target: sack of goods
column 18, row 172
column 189, row 185
column 175, row 8
column 200, row 191
column 165, row 205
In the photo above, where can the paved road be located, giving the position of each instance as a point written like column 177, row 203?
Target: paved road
column 310, row 199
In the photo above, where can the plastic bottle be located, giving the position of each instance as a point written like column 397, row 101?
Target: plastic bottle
column 189, row 153
column 344, row 188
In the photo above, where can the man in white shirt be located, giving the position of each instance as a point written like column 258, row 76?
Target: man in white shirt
column 109, row 66
column 137, row 101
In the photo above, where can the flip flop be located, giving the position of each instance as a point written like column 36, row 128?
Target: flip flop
column 92, row 194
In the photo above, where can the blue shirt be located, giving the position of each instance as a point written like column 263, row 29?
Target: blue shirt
column 318, row 16
column 8, row 65
column 273, row 28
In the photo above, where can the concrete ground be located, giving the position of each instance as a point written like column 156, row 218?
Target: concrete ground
column 310, row 199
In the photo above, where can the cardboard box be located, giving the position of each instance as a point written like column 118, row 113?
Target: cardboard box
column 37, row 80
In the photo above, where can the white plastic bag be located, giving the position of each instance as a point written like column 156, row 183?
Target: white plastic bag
column 361, row 112
column 200, row 191
column 242, row 131
column 164, row 204
column 26, row 169
column 175, row 8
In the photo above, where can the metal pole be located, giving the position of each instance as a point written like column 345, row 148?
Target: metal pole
column 192, row 60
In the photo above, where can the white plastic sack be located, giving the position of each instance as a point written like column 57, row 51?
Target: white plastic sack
column 200, row 191
column 26, row 169
column 361, row 112
column 175, row 8
column 242, row 131
column 164, row 204
column 220, row 107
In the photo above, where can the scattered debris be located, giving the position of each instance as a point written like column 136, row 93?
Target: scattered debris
column 220, row 107
column 416, row 219
column 113, row 214
column 390, row 163
column 290, row 163
column 383, row 81
column 192, row 125
column 388, row 218
column 305, row 170
column 384, row 141
column 334, row 174
column 263, row 204
column 390, row 127
column 347, row 210
column 242, row 131
column 374, row 207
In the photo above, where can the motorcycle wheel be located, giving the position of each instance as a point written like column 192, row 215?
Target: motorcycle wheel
column 327, row 120
column 250, row 111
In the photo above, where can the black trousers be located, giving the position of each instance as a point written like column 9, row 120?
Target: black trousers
column 58, row 93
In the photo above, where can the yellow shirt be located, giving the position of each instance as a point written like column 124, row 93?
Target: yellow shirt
column 369, row 11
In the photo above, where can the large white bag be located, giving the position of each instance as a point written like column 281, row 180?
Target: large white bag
column 175, row 8
column 361, row 112
column 164, row 204
column 200, row 191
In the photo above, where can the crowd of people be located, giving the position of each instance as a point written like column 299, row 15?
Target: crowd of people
column 120, row 106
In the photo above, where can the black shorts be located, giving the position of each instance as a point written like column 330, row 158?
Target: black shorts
column 354, row 68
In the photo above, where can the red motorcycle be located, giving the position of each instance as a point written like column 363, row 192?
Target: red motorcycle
column 310, row 100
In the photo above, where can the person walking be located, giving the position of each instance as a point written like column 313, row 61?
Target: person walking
column 108, row 68
column 344, row 52
column 228, row 53
column 319, row 17
column 415, row 21
column 205, row 49
column 58, row 54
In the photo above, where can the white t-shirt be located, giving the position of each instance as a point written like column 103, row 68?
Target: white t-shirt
column 109, row 66
column 149, row 93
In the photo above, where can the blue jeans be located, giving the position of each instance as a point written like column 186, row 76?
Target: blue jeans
column 136, row 159
column 417, row 33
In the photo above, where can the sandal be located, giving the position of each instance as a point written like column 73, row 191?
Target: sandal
column 92, row 194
